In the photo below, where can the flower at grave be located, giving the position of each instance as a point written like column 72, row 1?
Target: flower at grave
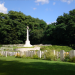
column 66, row 54
column 17, row 54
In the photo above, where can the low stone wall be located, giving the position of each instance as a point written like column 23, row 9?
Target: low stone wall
column 26, row 49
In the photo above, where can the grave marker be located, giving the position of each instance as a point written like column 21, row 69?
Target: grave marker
column 62, row 55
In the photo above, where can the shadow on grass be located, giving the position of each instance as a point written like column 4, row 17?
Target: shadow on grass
column 35, row 68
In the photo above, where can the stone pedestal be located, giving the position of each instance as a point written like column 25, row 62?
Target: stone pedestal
column 27, row 44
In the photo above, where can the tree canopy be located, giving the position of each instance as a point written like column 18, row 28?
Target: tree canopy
column 13, row 29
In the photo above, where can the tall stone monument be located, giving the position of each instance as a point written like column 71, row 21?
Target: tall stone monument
column 27, row 42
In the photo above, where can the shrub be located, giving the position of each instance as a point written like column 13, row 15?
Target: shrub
column 50, row 56
column 42, row 57
column 67, row 58
column 18, row 55
column 1, row 55
column 35, row 57
column 42, row 48
column 23, row 56
column 72, row 59
column 28, row 57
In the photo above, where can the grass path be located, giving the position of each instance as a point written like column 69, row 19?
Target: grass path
column 19, row 66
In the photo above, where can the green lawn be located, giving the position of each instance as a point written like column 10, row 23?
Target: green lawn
column 57, row 48
column 19, row 66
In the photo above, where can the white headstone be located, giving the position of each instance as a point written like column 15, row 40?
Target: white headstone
column 39, row 54
column 72, row 53
column 62, row 55
column 29, row 53
column 26, row 53
column 1, row 52
column 44, row 56
column 54, row 52
column 57, row 54
column 32, row 53
column 5, row 53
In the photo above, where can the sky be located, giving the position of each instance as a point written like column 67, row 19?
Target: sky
column 47, row 10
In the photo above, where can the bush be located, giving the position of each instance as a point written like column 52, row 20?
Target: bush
column 18, row 55
column 42, row 48
column 50, row 56
column 28, row 57
column 23, row 56
column 1, row 55
column 35, row 57
column 72, row 59
column 67, row 58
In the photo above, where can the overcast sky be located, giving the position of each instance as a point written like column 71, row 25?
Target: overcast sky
column 48, row 10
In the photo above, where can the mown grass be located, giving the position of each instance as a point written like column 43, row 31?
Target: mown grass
column 19, row 66
column 57, row 48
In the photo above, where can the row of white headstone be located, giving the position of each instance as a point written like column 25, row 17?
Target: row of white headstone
column 8, row 45
column 71, row 54
column 27, row 53
column 6, row 48
column 39, row 53
column 12, row 45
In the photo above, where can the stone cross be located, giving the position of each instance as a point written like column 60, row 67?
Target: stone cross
column 27, row 42
column 27, row 27
column 27, row 34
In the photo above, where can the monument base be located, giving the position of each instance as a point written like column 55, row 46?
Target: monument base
column 27, row 44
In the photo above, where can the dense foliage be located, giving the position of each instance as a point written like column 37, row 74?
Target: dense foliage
column 63, row 31
column 13, row 29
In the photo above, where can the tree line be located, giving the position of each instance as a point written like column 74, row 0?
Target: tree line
column 13, row 29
